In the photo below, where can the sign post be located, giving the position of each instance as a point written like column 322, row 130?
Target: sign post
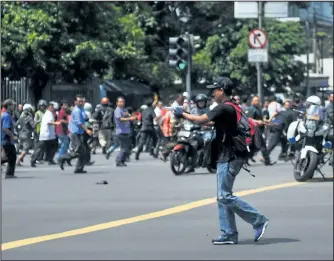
column 258, row 52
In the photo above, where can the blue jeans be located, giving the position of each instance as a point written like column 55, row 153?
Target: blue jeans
column 112, row 148
column 64, row 144
column 229, row 205
column 124, row 141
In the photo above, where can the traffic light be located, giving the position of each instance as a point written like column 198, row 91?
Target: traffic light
column 178, row 52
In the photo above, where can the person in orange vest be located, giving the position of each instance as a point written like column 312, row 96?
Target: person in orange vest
column 168, row 125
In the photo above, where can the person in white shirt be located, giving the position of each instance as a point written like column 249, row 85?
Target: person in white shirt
column 47, row 137
column 157, row 112
column 274, row 107
column 178, row 101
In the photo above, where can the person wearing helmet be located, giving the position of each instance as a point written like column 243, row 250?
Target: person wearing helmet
column 201, row 104
column 105, row 118
column 200, row 108
column 41, row 108
column 56, row 107
column 88, row 109
column 26, row 123
column 87, row 138
column 313, row 107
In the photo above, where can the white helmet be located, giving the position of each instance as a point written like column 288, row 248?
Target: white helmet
column 88, row 106
column 55, row 105
column 143, row 107
column 27, row 106
column 314, row 100
column 185, row 95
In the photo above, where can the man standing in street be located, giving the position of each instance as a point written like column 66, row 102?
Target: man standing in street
column 147, row 130
column 255, row 112
column 7, row 137
column 62, row 130
column 104, row 116
column 47, row 137
column 229, row 163
column 26, row 122
column 41, row 107
column 77, row 128
column 122, row 124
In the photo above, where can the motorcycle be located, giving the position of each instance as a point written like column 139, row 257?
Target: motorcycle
column 310, row 136
column 191, row 145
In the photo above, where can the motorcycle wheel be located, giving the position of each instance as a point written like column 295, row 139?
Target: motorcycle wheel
column 304, row 169
column 178, row 158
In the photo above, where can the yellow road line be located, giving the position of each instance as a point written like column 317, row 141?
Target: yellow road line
column 117, row 223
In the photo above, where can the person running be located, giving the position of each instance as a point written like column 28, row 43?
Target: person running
column 26, row 122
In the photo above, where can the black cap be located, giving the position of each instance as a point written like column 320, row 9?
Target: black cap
column 221, row 82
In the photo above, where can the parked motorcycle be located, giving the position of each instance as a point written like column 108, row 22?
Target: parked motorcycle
column 310, row 136
column 191, row 145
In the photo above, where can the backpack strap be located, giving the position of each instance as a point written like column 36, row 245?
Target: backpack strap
column 237, row 109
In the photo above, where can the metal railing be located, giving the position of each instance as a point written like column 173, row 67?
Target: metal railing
column 20, row 91
column 67, row 92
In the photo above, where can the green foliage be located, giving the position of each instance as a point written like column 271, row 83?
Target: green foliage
column 286, row 39
column 74, row 40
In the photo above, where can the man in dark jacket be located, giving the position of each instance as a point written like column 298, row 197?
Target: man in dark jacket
column 255, row 112
column 105, row 116
column 147, row 130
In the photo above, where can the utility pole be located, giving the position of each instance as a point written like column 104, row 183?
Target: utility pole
column 258, row 65
column 189, row 68
column 308, row 90
column 314, row 42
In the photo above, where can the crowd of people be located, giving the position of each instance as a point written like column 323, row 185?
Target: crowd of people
column 59, row 133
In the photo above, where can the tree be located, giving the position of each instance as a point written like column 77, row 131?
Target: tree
column 228, row 52
column 75, row 40
column 70, row 40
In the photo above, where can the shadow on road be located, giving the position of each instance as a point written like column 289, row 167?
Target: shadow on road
column 320, row 179
column 18, row 177
column 196, row 174
column 268, row 241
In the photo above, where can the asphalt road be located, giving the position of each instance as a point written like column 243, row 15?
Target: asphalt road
column 136, row 225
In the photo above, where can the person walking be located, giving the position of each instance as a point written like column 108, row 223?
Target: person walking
column 255, row 112
column 7, row 137
column 47, row 138
column 77, row 129
column 147, row 130
column 62, row 130
column 229, row 163
column 122, row 130
column 105, row 118
column 26, row 123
